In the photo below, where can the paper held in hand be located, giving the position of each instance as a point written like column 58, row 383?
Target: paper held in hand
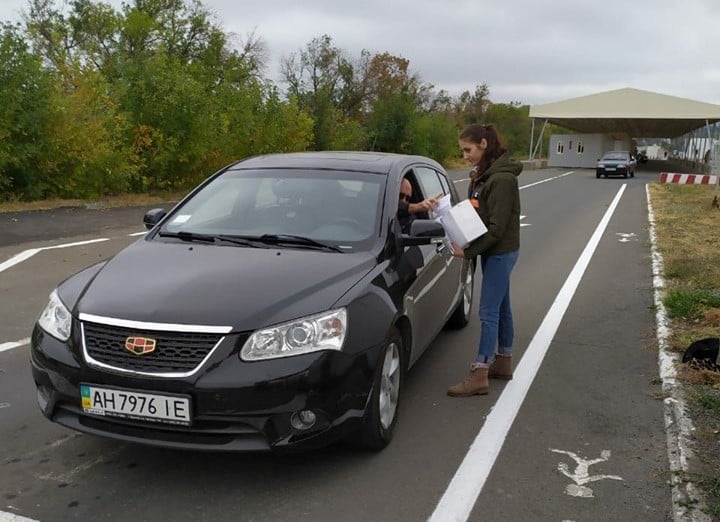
column 461, row 222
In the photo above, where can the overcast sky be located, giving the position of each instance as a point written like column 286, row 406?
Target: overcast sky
column 529, row 51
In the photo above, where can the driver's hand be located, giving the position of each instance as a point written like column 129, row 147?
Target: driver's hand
column 426, row 205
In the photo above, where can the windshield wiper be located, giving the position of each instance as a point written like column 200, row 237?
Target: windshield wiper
column 241, row 240
column 252, row 241
column 212, row 238
column 292, row 239
column 188, row 236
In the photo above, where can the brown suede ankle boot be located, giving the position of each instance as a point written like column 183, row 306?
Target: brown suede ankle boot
column 474, row 384
column 501, row 367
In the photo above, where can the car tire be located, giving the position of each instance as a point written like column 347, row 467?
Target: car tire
column 382, row 414
column 625, row 175
column 597, row 175
column 461, row 315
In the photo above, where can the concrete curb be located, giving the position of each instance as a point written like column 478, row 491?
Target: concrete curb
column 688, row 504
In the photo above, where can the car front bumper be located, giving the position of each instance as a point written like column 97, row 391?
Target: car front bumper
column 236, row 405
column 612, row 171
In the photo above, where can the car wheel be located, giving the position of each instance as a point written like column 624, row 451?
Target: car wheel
column 461, row 315
column 597, row 175
column 625, row 175
column 381, row 417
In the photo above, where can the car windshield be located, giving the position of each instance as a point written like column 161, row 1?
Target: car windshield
column 615, row 156
column 335, row 208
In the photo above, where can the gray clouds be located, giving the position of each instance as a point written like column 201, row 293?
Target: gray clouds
column 532, row 52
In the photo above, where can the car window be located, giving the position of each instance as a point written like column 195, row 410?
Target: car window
column 430, row 183
column 342, row 208
column 446, row 187
column 615, row 156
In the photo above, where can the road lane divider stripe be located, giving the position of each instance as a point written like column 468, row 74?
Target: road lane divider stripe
column 531, row 184
column 466, row 485
column 27, row 254
column 16, row 344
column 12, row 517
column 546, row 180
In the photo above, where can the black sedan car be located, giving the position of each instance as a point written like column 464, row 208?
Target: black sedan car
column 275, row 307
column 616, row 163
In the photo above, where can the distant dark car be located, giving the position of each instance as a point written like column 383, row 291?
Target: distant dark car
column 276, row 307
column 616, row 163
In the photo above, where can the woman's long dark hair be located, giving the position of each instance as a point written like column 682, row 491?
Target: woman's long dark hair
column 474, row 134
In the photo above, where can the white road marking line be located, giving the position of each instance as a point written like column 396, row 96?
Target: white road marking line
column 53, row 444
column 526, row 186
column 625, row 238
column 581, row 475
column 137, row 234
column 458, row 500
column 546, row 180
column 68, row 476
column 16, row 344
column 27, row 254
column 12, row 517
column 19, row 258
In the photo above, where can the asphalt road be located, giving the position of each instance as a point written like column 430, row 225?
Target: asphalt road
column 587, row 442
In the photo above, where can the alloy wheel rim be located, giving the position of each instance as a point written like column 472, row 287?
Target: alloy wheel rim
column 389, row 385
column 467, row 291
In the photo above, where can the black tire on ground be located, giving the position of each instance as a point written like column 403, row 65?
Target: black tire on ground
column 377, row 429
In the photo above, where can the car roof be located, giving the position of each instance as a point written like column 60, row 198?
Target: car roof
column 375, row 162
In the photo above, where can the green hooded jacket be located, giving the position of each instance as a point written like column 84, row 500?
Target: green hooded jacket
column 498, row 198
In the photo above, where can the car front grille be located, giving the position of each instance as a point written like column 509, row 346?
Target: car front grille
column 174, row 353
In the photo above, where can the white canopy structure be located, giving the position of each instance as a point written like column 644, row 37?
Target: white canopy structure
column 637, row 113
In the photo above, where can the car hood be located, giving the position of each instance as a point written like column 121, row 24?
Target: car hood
column 198, row 284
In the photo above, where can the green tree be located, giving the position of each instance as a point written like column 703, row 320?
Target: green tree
column 393, row 105
column 512, row 121
column 472, row 107
column 26, row 113
column 87, row 159
column 322, row 79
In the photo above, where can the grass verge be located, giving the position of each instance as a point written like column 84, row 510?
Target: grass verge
column 125, row 200
column 688, row 238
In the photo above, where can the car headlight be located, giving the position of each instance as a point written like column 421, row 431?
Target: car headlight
column 601, row 165
column 56, row 319
column 324, row 331
column 622, row 165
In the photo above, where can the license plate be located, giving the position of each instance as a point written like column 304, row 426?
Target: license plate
column 610, row 168
column 156, row 407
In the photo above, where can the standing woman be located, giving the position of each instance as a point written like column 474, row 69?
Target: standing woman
column 495, row 195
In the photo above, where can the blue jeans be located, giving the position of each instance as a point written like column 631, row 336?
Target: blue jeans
column 495, row 314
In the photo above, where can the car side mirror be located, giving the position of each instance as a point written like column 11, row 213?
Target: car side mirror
column 424, row 232
column 153, row 216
